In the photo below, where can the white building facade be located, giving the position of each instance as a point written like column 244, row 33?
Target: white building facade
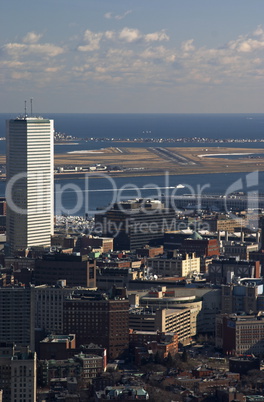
column 30, row 182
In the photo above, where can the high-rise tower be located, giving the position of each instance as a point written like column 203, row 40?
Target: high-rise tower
column 29, row 192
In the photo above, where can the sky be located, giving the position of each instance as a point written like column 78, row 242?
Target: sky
column 132, row 56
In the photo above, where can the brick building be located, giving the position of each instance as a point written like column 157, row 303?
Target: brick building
column 78, row 270
column 144, row 343
column 106, row 244
column 57, row 347
column 201, row 247
column 240, row 334
column 191, row 243
column 95, row 318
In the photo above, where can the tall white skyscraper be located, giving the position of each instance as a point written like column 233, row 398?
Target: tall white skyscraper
column 30, row 183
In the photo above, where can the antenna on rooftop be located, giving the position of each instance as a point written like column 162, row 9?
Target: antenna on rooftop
column 31, row 107
column 25, row 108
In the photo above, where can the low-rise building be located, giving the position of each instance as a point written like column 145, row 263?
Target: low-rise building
column 131, row 393
column 243, row 364
column 57, row 347
column 144, row 343
column 91, row 365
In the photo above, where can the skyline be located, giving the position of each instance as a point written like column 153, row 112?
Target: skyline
column 132, row 56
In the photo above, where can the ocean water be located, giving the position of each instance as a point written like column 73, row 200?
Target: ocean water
column 78, row 197
column 161, row 125
column 123, row 126
column 154, row 125
column 86, row 195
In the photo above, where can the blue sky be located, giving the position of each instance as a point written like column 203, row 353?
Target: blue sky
column 140, row 56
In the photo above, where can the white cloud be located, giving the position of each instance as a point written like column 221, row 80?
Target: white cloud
column 16, row 75
column 187, row 46
column 259, row 31
column 120, row 17
column 159, row 52
column 93, row 41
column 130, row 35
column 53, row 69
column 119, row 53
column 110, row 35
column 247, row 44
column 251, row 45
column 46, row 49
column 31, row 37
column 108, row 15
column 111, row 15
column 131, row 57
column 156, row 37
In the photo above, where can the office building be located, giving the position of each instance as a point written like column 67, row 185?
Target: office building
column 96, row 318
column 187, row 242
column 24, row 377
column 17, row 316
column 203, row 303
column 223, row 270
column 222, row 222
column 18, row 374
column 180, row 265
column 240, row 334
column 135, row 223
column 170, row 299
column 241, row 250
column 78, row 270
column 49, row 307
column 244, row 296
column 163, row 320
column 30, row 191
